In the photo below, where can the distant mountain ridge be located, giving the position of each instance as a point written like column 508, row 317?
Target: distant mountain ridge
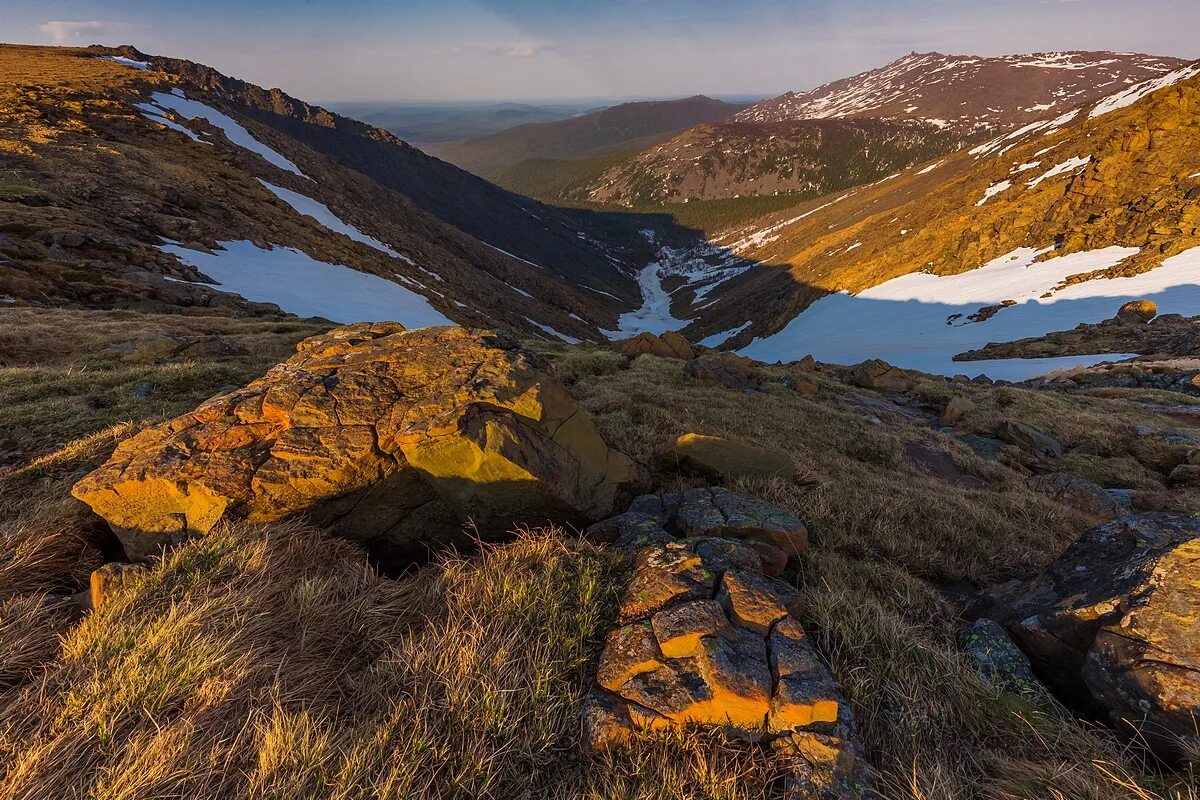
column 968, row 94
column 624, row 126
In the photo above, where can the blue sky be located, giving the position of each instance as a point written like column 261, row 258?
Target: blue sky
column 536, row 49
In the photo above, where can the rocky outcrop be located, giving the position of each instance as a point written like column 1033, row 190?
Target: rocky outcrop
column 706, row 639
column 715, row 457
column 708, row 513
column 1117, row 617
column 388, row 436
column 725, row 369
column 669, row 345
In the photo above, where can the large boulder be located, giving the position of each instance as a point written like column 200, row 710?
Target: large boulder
column 725, row 369
column 1118, row 616
column 1029, row 439
column 388, row 436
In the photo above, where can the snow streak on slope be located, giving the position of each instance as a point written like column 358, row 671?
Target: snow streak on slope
column 1135, row 93
column 917, row 321
column 193, row 109
column 307, row 287
column 308, row 207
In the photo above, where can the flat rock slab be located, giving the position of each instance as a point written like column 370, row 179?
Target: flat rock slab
column 379, row 433
column 940, row 465
column 715, row 457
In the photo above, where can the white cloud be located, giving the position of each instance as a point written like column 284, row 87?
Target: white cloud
column 64, row 31
column 521, row 49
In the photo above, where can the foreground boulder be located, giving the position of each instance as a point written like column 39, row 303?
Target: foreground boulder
column 1082, row 495
column 384, row 435
column 1120, row 611
column 725, row 369
column 706, row 639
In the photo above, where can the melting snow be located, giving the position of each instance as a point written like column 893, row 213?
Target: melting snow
column 308, row 207
column 992, row 191
column 156, row 114
column 904, row 320
column 518, row 258
column 192, row 109
column 128, row 62
column 654, row 316
column 717, row 339
column 521, row 292
column 1071, row 164
column 1134, row 93
column 552, row 332
column 930, row 168
column 302, row 285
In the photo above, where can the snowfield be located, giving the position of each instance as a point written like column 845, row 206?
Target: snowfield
column 905, row 320
column 306, row 206
column 194, row 109
column 1134, row 93
column 304, row 286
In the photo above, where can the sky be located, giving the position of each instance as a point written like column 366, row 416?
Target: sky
column 359, row 50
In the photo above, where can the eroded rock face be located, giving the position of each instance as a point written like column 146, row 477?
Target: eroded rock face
column 1120, row 609
column 383, row 435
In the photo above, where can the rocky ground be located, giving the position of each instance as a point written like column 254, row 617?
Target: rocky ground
column 729, row 579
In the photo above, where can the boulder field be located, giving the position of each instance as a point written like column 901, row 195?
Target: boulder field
column 390, row 437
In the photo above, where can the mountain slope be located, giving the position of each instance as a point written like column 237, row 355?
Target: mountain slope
column 736, row 159
column 1052, row 212
column 625, row 126
column 129, row 186
column 944, row 101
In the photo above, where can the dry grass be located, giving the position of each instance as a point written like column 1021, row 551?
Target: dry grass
column 275, row 663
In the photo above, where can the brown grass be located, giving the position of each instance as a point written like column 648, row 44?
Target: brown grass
column 274, row 662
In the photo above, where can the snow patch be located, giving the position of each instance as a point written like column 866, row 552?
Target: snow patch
column 992, row 191
column 654, row 315
column 552, row 332
column 301, row 285
column 717, row 339
column 1134, row 93
column 904, row 320
column 1070, row 165
column 128, row 62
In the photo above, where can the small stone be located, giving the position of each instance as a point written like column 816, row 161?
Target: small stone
column 1029, row 439
column 606, row 721
column 880, row 376
column 629, row 651
column 107, row 579
column 955, row 410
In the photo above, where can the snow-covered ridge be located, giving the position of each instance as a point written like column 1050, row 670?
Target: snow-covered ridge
column 958, row 92
column 1134, row 93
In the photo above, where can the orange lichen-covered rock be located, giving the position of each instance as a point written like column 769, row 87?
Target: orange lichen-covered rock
column 739, row 662
column 668, row 345
column 375, row 431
